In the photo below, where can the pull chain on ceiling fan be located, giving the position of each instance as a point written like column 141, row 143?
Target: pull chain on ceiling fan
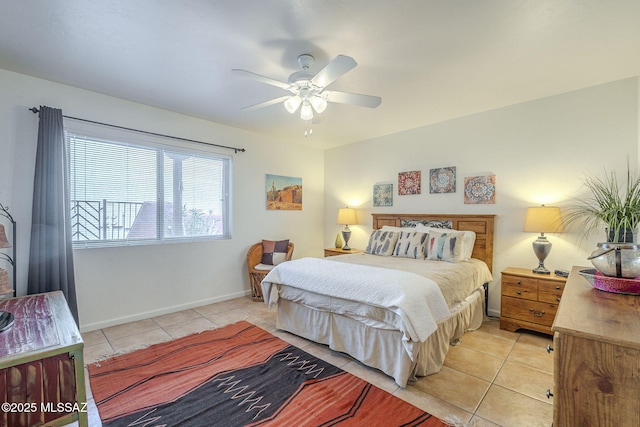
column 308, row 92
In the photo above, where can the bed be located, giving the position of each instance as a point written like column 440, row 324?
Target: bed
column 410, row 312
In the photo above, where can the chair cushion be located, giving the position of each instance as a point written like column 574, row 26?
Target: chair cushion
column 274, row 252
column 263, row 267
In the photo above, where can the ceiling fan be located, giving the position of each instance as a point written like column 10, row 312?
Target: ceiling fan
column 308, row 91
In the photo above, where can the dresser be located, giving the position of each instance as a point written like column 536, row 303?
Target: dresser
column 41, row 364
column 596, row 357
column 529, row 300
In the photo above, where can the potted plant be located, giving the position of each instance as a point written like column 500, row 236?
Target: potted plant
column 611, row 205
column 617, row 207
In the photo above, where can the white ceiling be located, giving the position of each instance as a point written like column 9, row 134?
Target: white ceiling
column 429, row 60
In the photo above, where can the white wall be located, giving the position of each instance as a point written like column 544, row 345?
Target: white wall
column 117, row 285
column 539, row 152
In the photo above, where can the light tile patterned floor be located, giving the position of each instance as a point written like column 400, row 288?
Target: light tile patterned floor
column 491, row 378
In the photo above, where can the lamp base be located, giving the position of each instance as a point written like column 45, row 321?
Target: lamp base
column 541, row 270
column 541, row 247
column 346, row 234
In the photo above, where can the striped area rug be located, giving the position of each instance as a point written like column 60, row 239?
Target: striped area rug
column 239, row 375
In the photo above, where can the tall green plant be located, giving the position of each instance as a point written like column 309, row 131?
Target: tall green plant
column 617, row 207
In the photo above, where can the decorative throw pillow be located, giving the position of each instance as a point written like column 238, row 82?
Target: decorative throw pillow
column 433, row 223
column 274, row 252
column 382, row 242
column 445, row 245
column 468, row 240
column 411, row 244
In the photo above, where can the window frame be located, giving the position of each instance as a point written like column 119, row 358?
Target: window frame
column 116, row 136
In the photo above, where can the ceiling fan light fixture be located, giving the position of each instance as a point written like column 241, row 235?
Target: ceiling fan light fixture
column 319, row 104
column 306, row 112
column 292, row 104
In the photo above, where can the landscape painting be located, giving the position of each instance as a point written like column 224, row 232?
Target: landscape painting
column 284, row 193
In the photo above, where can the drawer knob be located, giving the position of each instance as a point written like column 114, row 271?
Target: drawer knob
column 558, row 299
column 539, row 314
column 519, row 282
column 558, row 288
column 518, row 292
column 549, row 394
column 549, row 349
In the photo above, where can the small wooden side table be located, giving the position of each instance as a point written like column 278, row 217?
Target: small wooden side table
column 41, row 364
column 340, row 251
column 529, row 300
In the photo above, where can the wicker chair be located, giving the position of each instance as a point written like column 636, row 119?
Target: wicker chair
column 254, row 256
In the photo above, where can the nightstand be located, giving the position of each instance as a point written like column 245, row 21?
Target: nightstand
column 339, row 251
column 529, row 300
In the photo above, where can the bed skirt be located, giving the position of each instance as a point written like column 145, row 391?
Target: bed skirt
column 377, row 347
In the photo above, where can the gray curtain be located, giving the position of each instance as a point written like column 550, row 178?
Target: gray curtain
column 51, row 257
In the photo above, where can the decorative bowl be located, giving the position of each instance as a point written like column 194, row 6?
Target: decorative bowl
column 617, row 259
column 618, row 285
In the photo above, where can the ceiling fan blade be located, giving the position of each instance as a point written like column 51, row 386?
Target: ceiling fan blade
column 334, row 69
column 266, row 103
column 261, row 78
column 352, row 98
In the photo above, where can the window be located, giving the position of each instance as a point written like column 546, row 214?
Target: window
column 125, row 190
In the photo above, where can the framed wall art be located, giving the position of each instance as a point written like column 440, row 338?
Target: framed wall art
column 442, row 180
column 382, row 195
column 480, row 190
column 409, row 183
column 283, row 193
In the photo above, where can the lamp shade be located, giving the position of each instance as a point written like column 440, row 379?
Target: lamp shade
column 346, row 216
column 5, row 287
column 292, row 104
column 4, row 243
column 543, row 219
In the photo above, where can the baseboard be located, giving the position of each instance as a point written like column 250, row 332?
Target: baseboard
column 159, row 312
column 493, row 313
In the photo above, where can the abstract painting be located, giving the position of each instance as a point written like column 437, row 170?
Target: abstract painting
column 480, row 190
column 383, row 195
column 442, row 180
column 283, row 193
column 409, row 183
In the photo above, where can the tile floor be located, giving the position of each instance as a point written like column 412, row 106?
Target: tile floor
column 491, row 378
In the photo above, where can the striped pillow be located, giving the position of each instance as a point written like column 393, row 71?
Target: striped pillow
column 411, row 244
column 445, row 245
column 382, row 243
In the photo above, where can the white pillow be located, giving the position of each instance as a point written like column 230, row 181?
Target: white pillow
column 468, row 240
column 445, row 245
column 411, row 244
column 397, row 229
column 382, row 242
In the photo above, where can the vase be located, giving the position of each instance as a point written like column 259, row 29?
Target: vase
column 338, row 241
column 617, row 259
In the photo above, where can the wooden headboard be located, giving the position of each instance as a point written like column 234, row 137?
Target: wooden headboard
column 482, row 225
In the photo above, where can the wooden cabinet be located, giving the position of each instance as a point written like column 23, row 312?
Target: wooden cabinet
column 41, row 366
column 596, row 358
column 529, row 300
column 339, row 251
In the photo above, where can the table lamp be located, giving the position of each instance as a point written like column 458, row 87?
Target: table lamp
column 542, row 219
column 346, row 216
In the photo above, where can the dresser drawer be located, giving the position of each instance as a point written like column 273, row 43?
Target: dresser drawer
column 520, row 287
column 550, row 292
column 541, row 313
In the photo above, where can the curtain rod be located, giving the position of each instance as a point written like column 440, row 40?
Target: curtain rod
column 235, row 149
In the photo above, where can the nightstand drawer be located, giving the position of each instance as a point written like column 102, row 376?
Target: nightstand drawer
column 519, row 287
column 550, row 292
column 530, row 311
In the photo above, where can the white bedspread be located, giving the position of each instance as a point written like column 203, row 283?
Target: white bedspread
column 414, row 304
